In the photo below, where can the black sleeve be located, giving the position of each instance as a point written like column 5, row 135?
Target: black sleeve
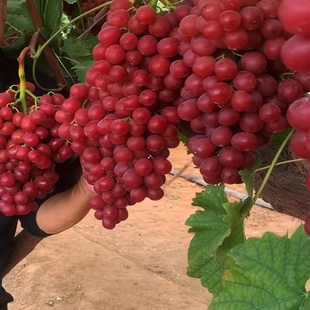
column 29, row 223
column 5, row 298
column 69, row 174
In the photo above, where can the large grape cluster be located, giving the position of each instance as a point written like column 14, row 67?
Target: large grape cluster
column 212, row 68
column 29, row 149
column 121, row 122
column 294, row 17
column 295, row 54
column 235, row 96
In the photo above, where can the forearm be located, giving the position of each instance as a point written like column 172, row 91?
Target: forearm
column 64, row 210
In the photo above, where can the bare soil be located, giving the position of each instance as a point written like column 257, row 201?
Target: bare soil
column 140, row 265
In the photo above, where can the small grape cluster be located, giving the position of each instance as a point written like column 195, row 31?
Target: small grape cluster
column 29, row 148
column 121, row 122
column 232, row 97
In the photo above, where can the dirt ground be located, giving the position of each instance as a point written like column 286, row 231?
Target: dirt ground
column 140, row 265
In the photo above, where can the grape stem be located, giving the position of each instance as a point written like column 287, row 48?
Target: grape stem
column 170, row 5
column 22, row 78
column 273, row 164
column 285, row 162
column 286, row 75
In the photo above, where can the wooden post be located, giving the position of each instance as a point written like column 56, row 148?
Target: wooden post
column 286, row 189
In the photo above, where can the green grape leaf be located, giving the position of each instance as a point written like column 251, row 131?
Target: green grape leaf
column 305, row 305
column 211, row 198
column 78, row 53
column 247, row 176
column 18, row 17
column 78, row 50
column 281, row 136
column 270, row 274
column 246, row 206
column 51, row 14
column 183, row 138
column 81, row 68
column 18, row 29
column 210, row 232
column 211, row 277
column 217, row 229
column 236, row 236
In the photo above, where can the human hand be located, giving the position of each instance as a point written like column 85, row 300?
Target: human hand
column 86, row 187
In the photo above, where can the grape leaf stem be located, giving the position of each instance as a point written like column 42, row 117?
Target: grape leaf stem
column 273, row 164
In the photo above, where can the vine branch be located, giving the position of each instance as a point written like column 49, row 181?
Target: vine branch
column 3, row 4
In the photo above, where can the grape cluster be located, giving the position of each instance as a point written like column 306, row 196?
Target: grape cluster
column 29, row 148
column 295, row 54
column 213, row 69
column 294, row 17
column 236, row 94
column 220, row 71
column 121, row 121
